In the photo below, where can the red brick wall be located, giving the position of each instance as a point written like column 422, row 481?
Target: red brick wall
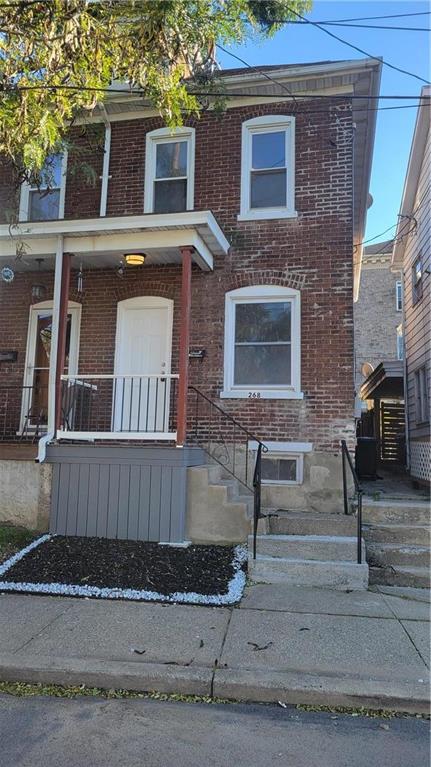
column 317, row 245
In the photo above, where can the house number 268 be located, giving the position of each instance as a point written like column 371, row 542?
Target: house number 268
column 254, row 395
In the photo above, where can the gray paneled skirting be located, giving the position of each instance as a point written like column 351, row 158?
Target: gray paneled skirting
column 134, row 493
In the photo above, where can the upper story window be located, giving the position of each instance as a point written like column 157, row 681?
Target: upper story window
column 43, row 200
column 399, row 295
column 268, row 168
column 169, row 170
column 262, row 343
column 417, row 280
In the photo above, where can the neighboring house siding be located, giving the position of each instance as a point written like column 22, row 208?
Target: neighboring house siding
column 315, row 247
column 417, row 317
column 375, row 314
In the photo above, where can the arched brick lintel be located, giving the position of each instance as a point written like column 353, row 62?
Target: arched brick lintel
column 280, row 277
column 155, row 288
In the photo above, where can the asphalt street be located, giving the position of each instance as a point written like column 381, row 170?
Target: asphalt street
column 147, row 733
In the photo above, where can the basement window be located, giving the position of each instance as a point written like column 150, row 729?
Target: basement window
column 283, row 464
column 282, row 469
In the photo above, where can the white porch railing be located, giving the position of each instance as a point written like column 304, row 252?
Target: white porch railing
column 117, row 407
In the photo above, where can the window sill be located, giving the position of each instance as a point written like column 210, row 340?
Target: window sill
column 267, row 214
column 280, row 483
column 259, row 395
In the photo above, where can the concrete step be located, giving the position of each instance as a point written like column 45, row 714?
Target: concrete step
column 395, row 511
column 417, row 577
column 311, row 523
column 324, row 548
column 397, row 533
column 387, row 554
column 302, row 572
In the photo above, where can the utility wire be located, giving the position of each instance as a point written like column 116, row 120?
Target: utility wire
column 423, row 99
column 260, row 71
column 141, row 92
column 371, row 18
column 402, row 233
column 356, row 48
column 364, row 26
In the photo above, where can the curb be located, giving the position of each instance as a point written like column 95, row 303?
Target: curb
column 234, row 684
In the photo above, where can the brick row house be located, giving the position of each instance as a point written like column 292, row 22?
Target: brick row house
column 192, row 294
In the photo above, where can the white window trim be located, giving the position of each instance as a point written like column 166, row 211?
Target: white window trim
column 398, row 295
column 266, row 124
column 26, row 188
column 166, row 135
column 284, row 447
column 257, row 294
column 293, row 450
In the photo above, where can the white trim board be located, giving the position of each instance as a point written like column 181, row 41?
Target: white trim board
column 92, row 436
column 284, row 447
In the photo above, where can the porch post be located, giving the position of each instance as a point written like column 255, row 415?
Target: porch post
column 61, row 339
column 183, row 385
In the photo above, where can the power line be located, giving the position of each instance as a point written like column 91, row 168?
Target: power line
column 224, row 94
column 402, row 233
column 249, row 66
column 356, row 48
column 363, row 26
column 371, row 18
column 141, row 92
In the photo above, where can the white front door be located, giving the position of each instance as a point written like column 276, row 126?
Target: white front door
column 141, row 395
column 34, row 404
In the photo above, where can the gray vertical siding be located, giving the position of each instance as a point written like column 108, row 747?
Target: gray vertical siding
column 131, row 493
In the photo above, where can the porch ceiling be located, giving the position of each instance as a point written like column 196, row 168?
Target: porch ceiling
column 101, row 242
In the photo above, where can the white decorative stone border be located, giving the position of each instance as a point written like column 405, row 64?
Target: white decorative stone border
column 234, row 593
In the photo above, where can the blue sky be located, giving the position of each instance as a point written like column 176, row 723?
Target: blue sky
column 408, row 50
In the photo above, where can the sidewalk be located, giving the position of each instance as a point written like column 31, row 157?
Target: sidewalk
column 289, row 644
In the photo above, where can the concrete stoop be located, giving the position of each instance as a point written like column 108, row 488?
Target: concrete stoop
column 397, row 537
column 219, row 508
column 308, row 560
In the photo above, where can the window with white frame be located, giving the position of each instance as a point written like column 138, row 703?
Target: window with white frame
column 399, row 295
column 281, row 469
column 43, row 198
column 283, row 463
column 262, row 343
column 417, row 280
column 268, row 168
column 169, row 170
column 421, row 395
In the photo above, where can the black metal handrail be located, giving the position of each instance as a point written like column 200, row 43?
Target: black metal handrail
column 347, row 460
column 222, row 437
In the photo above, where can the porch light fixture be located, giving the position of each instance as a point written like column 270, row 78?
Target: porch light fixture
column 134, row 259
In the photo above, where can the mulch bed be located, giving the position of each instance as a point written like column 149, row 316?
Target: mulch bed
column 126, row 565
